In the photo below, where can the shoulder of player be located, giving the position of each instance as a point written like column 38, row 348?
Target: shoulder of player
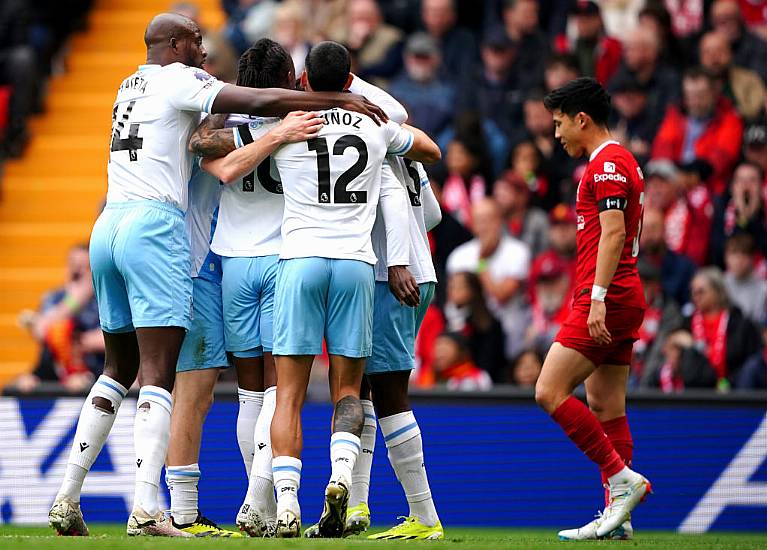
column 612, row 161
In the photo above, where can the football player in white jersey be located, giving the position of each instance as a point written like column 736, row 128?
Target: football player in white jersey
column 325, row 279
column 249, row 245
column 203, row 353
column 388, row 369
column 140, row 253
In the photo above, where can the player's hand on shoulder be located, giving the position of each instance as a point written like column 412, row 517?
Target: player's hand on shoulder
column 403, row 285
column 360, row 104
column 596, row 323
column 298, row 126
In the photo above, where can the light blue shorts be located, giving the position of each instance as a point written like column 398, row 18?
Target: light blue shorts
column 140, row 262
column 395, row 327
column 248, row 292
column 203, row 346
column 318, row 297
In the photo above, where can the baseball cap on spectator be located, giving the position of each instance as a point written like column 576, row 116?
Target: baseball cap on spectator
column 696, row 166
column 551, row 268
column 663, row 168
column 421, row 43
column 562, row 213
column 497, row 39
column 585, row 7
column 756, row 135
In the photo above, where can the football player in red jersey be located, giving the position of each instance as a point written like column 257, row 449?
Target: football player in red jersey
column 595, row 342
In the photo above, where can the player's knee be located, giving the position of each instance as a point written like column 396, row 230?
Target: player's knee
column 546, row 397
column 103, row 404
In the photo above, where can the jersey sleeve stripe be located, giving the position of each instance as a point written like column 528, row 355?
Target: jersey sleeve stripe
column 405, row 148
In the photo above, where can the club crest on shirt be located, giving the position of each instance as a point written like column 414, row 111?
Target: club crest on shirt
column 201, row 75
column 609, row 167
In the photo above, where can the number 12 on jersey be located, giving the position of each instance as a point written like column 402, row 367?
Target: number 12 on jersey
column 340, row 194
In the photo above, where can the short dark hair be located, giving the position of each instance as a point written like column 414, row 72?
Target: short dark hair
column 698, row 72
column 327, row 67
column 583, row 94
column 265, row 64
column 740, row 243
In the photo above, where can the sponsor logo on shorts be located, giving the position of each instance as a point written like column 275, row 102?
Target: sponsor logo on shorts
column 581, row 221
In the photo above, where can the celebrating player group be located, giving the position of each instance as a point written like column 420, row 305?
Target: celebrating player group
column 247, row 224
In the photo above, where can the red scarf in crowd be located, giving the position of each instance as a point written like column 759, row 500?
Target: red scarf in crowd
column 712, row 333
column 457, row 200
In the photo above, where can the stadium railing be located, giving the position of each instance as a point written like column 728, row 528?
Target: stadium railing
column 493, row 459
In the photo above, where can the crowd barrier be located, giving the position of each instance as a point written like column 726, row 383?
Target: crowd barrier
column 493, row 459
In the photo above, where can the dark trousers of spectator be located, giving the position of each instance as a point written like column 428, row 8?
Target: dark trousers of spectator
column 18, row 68
column 753, row 375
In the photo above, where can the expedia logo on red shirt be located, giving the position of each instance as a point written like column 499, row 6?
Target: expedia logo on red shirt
column 611, row 177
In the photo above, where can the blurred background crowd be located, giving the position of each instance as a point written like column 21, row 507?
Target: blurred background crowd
column 687, row 79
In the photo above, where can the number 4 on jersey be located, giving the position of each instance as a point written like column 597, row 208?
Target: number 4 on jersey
column 132, row 143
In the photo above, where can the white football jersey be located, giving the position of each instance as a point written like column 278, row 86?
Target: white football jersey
column 250, row 215
column 204, row 196
column 412, row 176
column 332, row 184
column 156, row 110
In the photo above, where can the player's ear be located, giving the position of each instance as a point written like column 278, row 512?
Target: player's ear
column 304, row 81
column 348, row 81
column 173, row 43
column 582, row 119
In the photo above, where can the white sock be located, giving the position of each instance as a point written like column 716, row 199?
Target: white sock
column 403, row 440
column 250, row 407
column 93, row 428
column 151, row 432
column 182, row 483
column 361, row 472
column 260, row 493
column 344, row 449
column 286, row 471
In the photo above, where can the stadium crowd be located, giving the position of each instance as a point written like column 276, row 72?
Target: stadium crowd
column 32, row 39
column 687, row 80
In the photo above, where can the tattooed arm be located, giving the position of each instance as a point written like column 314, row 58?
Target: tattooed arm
column 210, row 139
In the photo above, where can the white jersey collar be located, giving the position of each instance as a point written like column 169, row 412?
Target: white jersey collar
column 148, row 67
column 599, row 149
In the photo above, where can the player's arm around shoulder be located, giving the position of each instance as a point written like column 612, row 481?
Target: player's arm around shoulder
column 297, row 126
column 210, row 139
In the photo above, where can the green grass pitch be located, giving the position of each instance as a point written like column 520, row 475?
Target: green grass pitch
column 113, row 537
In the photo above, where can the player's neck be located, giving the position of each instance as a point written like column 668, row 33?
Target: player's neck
column 596, row 139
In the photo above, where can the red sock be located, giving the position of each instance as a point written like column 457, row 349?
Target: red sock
column 617, row 430
column 583, row 428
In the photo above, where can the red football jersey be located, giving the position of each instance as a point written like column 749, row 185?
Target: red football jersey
column 612, row 180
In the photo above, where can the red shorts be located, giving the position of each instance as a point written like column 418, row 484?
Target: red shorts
column 623, row 324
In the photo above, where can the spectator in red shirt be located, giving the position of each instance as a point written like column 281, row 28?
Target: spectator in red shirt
column 453, row 365
column 551, row 291
column 562, row 234
column 706, row 127
column 598, row 55
column 742, row 210
column 691, row 181
column 721, row 331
